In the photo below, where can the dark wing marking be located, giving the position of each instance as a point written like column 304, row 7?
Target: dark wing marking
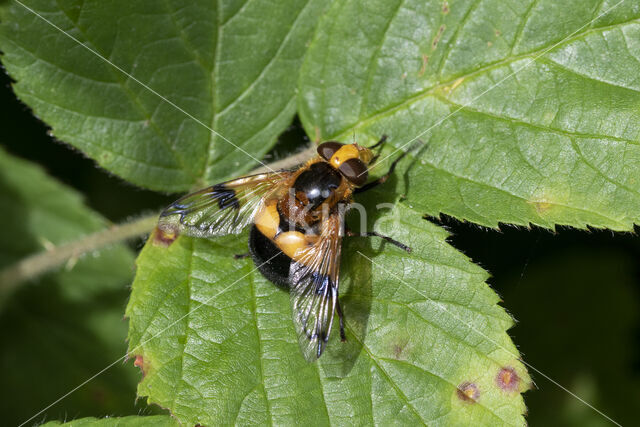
column 224, row 208
column 314, row 279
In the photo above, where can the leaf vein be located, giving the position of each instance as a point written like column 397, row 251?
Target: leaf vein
column 254, row 309
column 577, row 150
column 393, row 384
column 132, row 96
column 444, row 380
column 267, row 66
column 522, row 26
column 237, row 12
column 502, row 190
column 372, row 68
column 454, row 39
column 426, row 92
column 182, row 36
column 516, row 121
column 214, row 89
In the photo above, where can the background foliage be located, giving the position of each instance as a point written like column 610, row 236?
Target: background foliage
column 590, row 291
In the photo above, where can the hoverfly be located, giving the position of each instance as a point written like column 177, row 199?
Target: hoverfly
column 297, row 226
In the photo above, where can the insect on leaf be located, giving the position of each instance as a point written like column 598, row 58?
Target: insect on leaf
column 425, row 337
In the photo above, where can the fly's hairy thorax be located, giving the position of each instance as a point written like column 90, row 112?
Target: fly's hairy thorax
column 294, row 220
column 314, row 194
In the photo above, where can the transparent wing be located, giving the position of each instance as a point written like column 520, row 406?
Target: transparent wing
column 224, row 208
column 314, row 277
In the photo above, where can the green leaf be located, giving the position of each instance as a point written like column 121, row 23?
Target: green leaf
column 160, row 421
column 231, row 65
column 218, row 343
column 65, row 329
column 4, row 6
column 528, row 111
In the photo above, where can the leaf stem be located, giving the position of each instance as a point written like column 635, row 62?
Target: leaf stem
column 37, row 264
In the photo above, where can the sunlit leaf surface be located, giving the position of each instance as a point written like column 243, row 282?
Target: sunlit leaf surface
column 221, row 62
column 527, row 111
column 219, row 345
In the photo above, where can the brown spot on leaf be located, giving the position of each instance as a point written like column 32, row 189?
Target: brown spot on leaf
column 542, row 206
column 397, row 351
column 425, row 62
column 545, row 200
column 508, row 379
column 164, row 237
column 436, row 40
column 445, row 7
column 139, row 362
column 400, row 348
column 468, row 392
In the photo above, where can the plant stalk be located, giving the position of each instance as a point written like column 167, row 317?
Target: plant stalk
column 32, row 266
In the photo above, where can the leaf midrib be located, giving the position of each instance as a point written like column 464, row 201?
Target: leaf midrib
column 454, row 39
column 372, row 68
column 254, row 309
column 220, row 110
column 181, row 34
column 269, row 63
column 214, row 89
column 187, row 322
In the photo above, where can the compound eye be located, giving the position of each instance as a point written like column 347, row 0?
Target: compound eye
column 327, row 149
column 355, row 171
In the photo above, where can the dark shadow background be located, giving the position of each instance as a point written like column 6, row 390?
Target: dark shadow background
column 575, row 294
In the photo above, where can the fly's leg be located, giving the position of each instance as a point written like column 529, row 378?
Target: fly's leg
column 387, row 239
column 394, row 242
column 383, row 178
column 377, row 144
